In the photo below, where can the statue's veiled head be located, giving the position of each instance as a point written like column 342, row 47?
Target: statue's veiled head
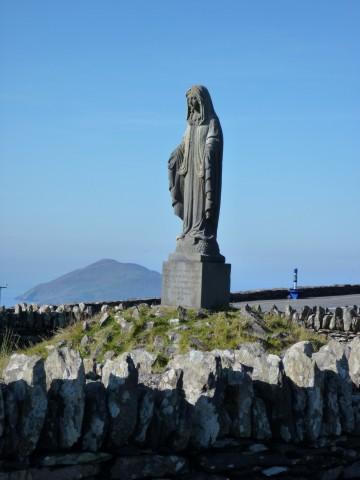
column 200, row 108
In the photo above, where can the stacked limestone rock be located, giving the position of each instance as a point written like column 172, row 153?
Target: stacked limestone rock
column 219, row 412
column 31, row 323
column 33, row 320
column 345, row 319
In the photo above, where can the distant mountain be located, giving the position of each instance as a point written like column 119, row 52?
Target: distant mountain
column 104, row 280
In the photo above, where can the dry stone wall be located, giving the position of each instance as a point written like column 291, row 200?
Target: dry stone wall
column 31, row 322
column 226, row 414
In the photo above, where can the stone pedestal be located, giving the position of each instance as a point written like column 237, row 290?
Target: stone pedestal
column 197, row 282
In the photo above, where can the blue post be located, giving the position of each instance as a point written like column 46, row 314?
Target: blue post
column 294, row 292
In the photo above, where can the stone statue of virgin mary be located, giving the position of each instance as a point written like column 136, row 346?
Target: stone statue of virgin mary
column 195, row 176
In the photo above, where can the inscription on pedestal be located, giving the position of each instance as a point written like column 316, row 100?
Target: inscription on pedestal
column 182, row 283
column 195, row 284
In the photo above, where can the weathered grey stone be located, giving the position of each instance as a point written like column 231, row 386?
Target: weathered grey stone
column 275, row 311
column 201, row 313
column 104, row 308
column 73, row 458
column 109, row 355
column 65, row 380
column 332, row 324
column 17, row 309
column 338, row 312
column 96, row 418
column 354, row 361
column 88, row 311
column 174, row 321
column 203, row 386
column 307, row 384
column 120, row 378
column 158, row 342
column 270, row 385
column 335, row 364
column 289, row 312
column 76, row 312
column 135, row 313
column 89, row 368
column 104, row 319
column 146, row 406
column 85, row 341
column 304, row 313
column 182, row 313
column 339, row 324
column 309, row 323
column 239, row 397
column 355, row 324
column 44, row 309
column 159, row 312
column 348, row 315
column 337, row 413
column 272, row 471
column 318, row 319
column 247, row 312
column 255, row 324
column 174, row 337
column 326, row 321
column 171, row 423
column 98, row 369
column 82, row 307
column 260, row 423
column 257, row 448
column 25, row 403
column 126, row 326
column 143, row 361
column 148, row 466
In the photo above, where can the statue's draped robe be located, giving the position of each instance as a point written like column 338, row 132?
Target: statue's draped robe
column 195, row 174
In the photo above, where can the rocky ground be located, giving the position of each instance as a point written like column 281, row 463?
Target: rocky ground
column 162, row 331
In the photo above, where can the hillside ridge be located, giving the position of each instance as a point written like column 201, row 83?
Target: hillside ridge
column 104, row 280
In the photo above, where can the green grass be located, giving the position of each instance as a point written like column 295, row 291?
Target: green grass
column 8, row 344
column 217, row 330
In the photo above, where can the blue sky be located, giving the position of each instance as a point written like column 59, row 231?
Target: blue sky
column 92, row 103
